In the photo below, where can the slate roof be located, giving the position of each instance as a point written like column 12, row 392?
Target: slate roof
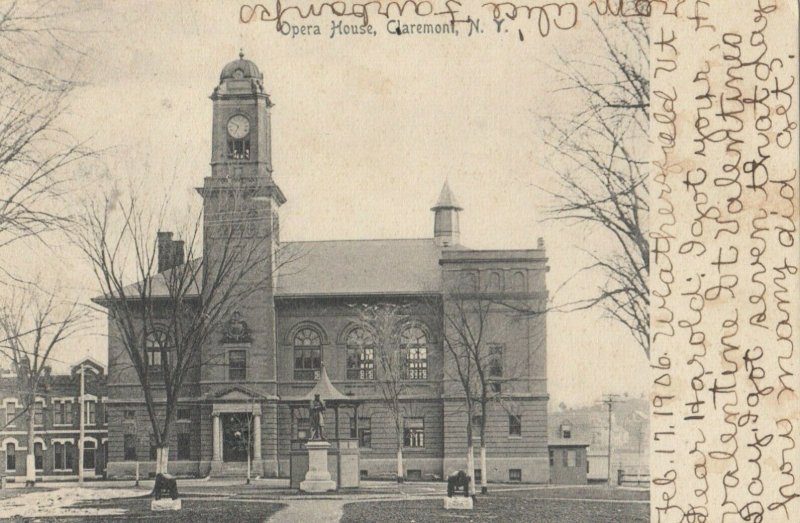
column 361, row 267
column 348, row 267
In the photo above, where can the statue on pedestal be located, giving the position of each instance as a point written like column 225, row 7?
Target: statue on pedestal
column 316, row 408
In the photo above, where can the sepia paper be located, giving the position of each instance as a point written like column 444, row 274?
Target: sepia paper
column 684, row 298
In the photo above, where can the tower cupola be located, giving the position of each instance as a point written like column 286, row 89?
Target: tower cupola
column 445, row 222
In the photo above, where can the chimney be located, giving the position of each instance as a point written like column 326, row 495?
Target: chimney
column 166, row 252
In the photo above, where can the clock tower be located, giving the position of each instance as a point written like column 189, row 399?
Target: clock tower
column 240, row 225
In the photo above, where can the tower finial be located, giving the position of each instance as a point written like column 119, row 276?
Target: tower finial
column 241, row 53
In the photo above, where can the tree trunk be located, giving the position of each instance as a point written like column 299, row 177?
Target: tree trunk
column 471, row 468
column 400, row 475
column 162, row 456
column 30, row 458
column 484, row 470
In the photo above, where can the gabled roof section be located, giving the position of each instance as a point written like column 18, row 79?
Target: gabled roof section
column 340, row 267
column 159, row 287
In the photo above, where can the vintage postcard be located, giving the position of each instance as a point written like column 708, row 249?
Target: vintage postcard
column 413, row 260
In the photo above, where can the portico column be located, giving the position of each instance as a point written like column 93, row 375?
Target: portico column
column 216, row 444
column 257, row 437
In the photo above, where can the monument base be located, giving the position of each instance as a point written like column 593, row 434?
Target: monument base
column 165, row 504
column 458, row 503
column 317, row 479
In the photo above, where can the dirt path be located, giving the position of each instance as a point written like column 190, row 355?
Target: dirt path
column 311, row 511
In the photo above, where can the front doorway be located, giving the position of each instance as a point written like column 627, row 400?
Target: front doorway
column 236, row 436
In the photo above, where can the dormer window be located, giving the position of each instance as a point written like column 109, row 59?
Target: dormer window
column 566, row 430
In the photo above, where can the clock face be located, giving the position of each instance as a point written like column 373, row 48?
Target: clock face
column 238, row 126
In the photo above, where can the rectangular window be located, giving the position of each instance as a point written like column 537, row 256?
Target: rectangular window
column 130, row 415
column 414, row 432
column 184, row 445
column 364, row 435
column 69, row 453
column 11, row 413
column 130, row 447
column 38, row 456
column 239, row 149
column 495, row 361
column 514, row 474
column 60, row 413
column 90, row 412
column 514, row 425
column 414, row 474
column 552, row 458
column 496, row 387
column 360, row 363
column 307, row 363
column 58, row 457
column 563, row 458
column 364, row 473
column 476, row 426
column 572, row 458
column 416, row 367
column 184, row 414
column 153, row 448
column 237, row 365
column 38, row 414
column 478, row 474
column 154, row 359
column 11, row 457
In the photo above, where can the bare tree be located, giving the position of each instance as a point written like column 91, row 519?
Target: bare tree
column 383, row 324
column 32, row 326
column 471, row 323
column 599, row 161
column 39, row 160
column 163, row 318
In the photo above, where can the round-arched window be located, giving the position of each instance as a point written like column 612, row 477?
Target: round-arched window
column 157, row 345
column 360, row 355
column 414, row 344
column 307, row 354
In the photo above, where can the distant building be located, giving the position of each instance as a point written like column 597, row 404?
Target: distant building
column 276, row 344
column 57, row 425
column 569, row 461
column 629, row 421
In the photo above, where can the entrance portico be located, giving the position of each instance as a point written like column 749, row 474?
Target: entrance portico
column 236, row 418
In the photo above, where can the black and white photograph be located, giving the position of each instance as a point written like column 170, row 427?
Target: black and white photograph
column 391, row 261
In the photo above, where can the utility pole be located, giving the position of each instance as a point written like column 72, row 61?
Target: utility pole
column 83, row 428
column 609, row 400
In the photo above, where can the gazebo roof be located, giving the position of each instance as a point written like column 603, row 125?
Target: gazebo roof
column 326, row 390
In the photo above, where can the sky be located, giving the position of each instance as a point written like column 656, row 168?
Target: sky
column 365, row 130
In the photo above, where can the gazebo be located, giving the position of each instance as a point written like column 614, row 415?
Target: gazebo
column 343, row 457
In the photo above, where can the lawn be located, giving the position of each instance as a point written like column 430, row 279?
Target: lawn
column 200, row 511
column 540, row 506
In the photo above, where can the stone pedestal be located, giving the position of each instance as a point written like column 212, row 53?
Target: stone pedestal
column 458, row 503
column 318, row 479
column 165, row 504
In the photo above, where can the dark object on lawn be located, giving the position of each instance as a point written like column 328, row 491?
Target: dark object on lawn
column 165, row 484
column 456, row 481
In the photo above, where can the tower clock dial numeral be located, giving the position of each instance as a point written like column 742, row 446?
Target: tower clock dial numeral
column 238, row 126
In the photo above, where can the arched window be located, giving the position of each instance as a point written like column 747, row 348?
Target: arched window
column 495, row 284
column 157, row 345
column 89, row 448
column 360, row 355
column 307, row 354
column 414, row 344
column 11, row 457
column 518, row 281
